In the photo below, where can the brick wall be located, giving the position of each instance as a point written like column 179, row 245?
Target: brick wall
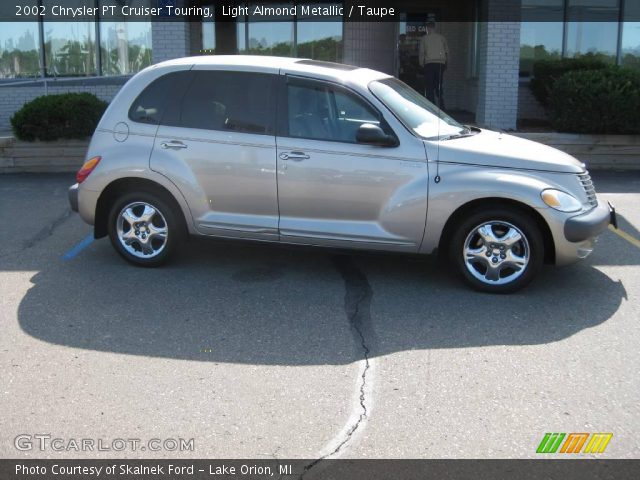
column 371, row 45
column 498, row 80
column 170, row 40
column 13, row 97
column 499, row 51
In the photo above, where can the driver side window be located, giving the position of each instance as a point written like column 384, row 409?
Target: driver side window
column 322, row 112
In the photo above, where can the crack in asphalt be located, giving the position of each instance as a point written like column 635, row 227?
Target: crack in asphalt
column 274, row 455
column 47, row 230
column 44, row 233
column 357, row 306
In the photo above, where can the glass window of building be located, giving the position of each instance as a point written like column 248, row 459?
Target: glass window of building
column 541, row 32
column 577, row 28
column 125, row 47
column 70, row 47
column 630, row 47
column 75, row 48
column 19, row 50
column 592, row 29
column 268, row 36
column 208, row 36
column 319, row 40
column 297, row 36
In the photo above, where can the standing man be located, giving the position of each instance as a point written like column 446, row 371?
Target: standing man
column 433, row 57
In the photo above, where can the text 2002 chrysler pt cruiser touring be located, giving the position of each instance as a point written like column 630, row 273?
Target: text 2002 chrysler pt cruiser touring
column 307, row 152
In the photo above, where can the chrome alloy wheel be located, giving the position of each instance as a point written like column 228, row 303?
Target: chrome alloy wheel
column 496, row 252
column 142, row 230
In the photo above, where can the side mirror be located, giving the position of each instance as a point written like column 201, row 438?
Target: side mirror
column 373, row 135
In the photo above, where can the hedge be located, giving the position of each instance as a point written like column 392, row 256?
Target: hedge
column 50, row 117
column 546, row 72
column 597, row 101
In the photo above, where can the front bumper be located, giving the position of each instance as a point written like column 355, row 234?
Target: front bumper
column 590, row 224
column 73, row 197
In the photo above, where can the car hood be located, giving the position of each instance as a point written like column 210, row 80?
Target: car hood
column 494, row 149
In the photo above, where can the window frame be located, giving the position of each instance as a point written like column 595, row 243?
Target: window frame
column 282, row 110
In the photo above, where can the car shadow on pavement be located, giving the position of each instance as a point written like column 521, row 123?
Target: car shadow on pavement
column 614, row 248
column 261, row 304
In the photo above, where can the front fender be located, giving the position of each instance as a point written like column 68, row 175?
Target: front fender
column 462, row 184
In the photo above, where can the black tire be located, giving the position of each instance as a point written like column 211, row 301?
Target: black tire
column 169, row 215
column 517, row 218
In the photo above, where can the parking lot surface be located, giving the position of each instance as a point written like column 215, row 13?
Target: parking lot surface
column 263, row 351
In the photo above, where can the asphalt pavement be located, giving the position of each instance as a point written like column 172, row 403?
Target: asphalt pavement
column 264, row 351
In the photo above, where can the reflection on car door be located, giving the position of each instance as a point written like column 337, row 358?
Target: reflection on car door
column 219, row 137
column 334, row 191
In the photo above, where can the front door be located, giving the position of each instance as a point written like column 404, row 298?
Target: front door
column 335, row 191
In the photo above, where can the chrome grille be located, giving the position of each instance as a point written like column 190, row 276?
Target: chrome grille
column 589, row 189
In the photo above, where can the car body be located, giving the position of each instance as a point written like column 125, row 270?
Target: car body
column 315, row 153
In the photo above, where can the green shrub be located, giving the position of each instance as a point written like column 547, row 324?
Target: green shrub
column 70, row 115
column 597, row 101
column 546, row 72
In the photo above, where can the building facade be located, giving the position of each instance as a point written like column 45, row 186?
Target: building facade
column 492, row 49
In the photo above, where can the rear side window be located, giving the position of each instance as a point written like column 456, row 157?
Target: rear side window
column 150, row 104
column 228, row 101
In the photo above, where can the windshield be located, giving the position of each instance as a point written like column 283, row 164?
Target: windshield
column 415, row 111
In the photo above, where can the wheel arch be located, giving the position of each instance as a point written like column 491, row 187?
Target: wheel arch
column 466, row 209
column 127, row 185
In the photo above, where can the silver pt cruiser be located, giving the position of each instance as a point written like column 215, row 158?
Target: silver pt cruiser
column 316, row 153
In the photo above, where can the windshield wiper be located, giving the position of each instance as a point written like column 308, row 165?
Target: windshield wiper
column 466, row 132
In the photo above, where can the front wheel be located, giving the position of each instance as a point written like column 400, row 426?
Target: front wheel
column 499, row 250
column 143, row 228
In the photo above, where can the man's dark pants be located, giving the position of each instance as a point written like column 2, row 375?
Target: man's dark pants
column 433, row 80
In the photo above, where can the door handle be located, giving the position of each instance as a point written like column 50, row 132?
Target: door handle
column 174, row 144
column 295, row 156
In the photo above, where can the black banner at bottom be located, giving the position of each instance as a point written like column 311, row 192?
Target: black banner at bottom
column 565, row 469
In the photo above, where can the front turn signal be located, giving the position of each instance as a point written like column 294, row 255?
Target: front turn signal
column 560, row 200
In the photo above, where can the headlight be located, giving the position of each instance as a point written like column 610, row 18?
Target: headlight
column 560, row 200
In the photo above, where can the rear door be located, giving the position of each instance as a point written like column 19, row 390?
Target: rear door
column 216, row 141
column 335, row 191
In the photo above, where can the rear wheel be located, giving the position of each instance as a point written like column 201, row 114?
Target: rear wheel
column 498, row 250
column 144, row 229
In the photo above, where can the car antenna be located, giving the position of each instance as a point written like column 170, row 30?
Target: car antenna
column 437, row 177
